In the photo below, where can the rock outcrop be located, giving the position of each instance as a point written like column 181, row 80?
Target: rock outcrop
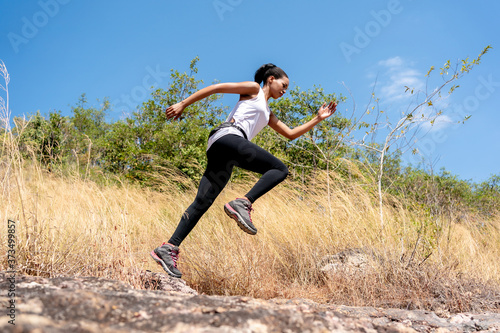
column 87, row 304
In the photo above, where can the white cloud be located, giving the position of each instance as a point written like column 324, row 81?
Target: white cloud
column 397, row 74
column 394, row 75
column 391, row 62
column 440, row 122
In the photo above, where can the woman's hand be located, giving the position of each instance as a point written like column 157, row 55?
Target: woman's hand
column 175, row 111
column 326, row 111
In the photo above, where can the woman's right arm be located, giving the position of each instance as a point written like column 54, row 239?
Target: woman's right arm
column 242, row 88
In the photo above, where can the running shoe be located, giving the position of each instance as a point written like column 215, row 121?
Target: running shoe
column 239, row 210
column 167, row 256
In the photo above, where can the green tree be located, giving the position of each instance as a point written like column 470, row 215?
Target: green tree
column 147, row 142
column 42, row 138
column 486, row 197
column 87, row 131
column 317, row 147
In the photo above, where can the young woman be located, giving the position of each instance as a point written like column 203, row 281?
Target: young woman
column 229, row 145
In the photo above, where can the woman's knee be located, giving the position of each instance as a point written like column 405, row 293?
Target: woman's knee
column 283, row 171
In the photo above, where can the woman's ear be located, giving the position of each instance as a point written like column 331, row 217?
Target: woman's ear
column 270, row 79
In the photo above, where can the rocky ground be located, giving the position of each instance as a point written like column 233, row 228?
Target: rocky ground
column 86, row 304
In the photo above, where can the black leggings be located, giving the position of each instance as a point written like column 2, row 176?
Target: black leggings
column 225, row 153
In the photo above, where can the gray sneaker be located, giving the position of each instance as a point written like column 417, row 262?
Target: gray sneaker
column 239, row 210
column 167, row 255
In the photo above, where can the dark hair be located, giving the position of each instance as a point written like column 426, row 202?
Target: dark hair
column 268, row 70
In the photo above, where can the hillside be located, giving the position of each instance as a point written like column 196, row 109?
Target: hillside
column 72, row 226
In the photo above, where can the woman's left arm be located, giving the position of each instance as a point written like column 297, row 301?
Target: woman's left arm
column 324, row 112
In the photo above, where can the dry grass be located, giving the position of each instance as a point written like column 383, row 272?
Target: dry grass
column 72, row 226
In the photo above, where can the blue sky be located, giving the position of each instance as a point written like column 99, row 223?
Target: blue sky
column 55, row 50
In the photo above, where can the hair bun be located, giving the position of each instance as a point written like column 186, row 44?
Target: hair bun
column 268, row 66
column 267, row 70
column 260, row 73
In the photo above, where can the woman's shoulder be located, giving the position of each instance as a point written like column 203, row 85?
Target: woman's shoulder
column 253, row 95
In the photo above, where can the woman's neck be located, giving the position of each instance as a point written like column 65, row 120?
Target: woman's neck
column 267, row 92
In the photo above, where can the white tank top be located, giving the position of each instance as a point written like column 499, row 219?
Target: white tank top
column 251, row 115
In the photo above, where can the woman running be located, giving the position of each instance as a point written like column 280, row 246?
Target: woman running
column 229, row 145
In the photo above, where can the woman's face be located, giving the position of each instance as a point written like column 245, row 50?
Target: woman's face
column 278, row 87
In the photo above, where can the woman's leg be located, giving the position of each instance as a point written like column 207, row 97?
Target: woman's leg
column 212, row 182
column 226, row 152
column 256, row 159
column 252, row 157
